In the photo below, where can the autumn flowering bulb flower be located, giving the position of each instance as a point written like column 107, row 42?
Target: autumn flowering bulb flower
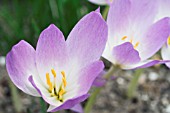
column 132, row 35
column 59, row 71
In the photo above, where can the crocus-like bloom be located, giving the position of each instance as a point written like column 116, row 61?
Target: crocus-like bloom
column 59, row 71
column 101, row 2
column 164, row 11
column 132, row 35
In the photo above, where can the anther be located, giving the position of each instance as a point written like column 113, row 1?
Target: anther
column 123, row 38
column 168, row 40
column 53, row 72
column 64, row 78
column 131, row 41
column 136, row 45
column 48, row 78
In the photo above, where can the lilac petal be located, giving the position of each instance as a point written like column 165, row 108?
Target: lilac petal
column 125, row 54
column 87, row 40
column 154, row 38
column 145, row 64
column 51, row 50
column 100, row 81
column 77, row 108
column 165, row 53
column 117, row 20
column 87, row 76
column 163, row 9
column 97, row 10
column 20, row 64
column 142, row 14
column 70, row 103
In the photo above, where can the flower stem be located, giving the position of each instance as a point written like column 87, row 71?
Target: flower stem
column 15, row 98
column 105, row 11
column 93, row 96
column 43, row 106
column 134, row 83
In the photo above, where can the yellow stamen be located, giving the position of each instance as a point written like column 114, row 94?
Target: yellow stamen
column 64, row 78
column 64, row 82
column 123, row 38
column 168, row 40
column 48, row 78
column 63, row 74
column 54, row 73
column 136, row 45
column 51, row 86
column 131, row 41
column 62, row 91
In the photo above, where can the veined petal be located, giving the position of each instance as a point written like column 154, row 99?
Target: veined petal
column 87, row 40
column 20, row 64
column 145, row 64
column 100, row 81
column 163, row 9
column 77, row 108
column 51, row 51
column 69, row 103
column 165, row 53
column 154, row 38
column 125, row 54
column 117, row 21
column 87, row 76
column 142, row 15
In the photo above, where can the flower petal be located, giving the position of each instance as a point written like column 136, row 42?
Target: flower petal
column 100, row 81
column 163, row 9
column 77, row 108
column 142, row 14
column 117, row 21
column 125, row 54
column 87, row 76
column 100, row 2
column 20, row 64
column 69, row 103
column 87, row 40
column 145, row 64
column 51, row 50
column 154, row 38
column 165, row 53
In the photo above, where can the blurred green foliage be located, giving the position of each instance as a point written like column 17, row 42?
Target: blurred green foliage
column 25, row 19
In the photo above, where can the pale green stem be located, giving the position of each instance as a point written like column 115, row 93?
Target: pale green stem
column 15, row 98
column 93, row 96
column 105, row 12
column 134, row 83
column 57, row 112
column 43, row 106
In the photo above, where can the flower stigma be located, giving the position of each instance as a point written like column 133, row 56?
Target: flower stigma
column 54, row 90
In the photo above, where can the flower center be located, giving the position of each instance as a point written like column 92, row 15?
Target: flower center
column 56, row 91
column 168, row 41
column 131, row 41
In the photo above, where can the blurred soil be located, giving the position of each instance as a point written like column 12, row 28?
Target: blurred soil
column 152, row 96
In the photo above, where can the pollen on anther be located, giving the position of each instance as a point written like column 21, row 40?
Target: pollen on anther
column 48, row 78
column 123, row 38
column 53, row 72
column 63, row 74
column 168, row 40
column 136, row 45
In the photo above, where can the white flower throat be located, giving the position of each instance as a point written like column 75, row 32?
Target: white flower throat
column 135, row 45
column 56, row 90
